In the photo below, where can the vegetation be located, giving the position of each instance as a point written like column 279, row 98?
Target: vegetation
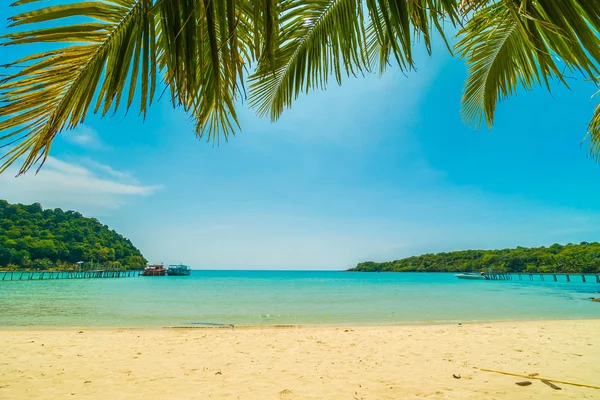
column 102, row 55
column 583, row 257
column 34, row 238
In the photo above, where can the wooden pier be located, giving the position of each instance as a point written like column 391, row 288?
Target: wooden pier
column 552, row 276
column 43, row 275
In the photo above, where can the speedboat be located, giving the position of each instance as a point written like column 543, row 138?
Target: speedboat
column 472, row 275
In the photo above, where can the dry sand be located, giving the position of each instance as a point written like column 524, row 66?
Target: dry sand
column 398, row 362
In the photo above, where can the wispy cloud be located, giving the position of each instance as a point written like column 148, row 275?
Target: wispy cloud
column 86, row 137
column 106, row 169
column 92, row 187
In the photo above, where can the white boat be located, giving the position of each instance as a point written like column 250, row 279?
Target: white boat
column 472, row 275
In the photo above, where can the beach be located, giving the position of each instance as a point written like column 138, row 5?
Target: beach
column 311, row 362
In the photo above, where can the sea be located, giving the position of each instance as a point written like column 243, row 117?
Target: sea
column 216, row 298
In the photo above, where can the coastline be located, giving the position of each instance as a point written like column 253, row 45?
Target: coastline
column 30, row 328
column 302, row 362
column 355, row 325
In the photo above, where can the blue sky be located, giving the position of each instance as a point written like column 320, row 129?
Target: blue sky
column 378, row 169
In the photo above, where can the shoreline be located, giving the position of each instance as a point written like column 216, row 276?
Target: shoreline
column 364, row 362
column 24, row 328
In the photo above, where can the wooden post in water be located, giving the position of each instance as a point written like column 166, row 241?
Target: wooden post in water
column 554, row 275
column 583, row 277
column 568, row 278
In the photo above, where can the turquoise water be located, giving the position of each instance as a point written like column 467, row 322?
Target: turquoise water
column 289, row 297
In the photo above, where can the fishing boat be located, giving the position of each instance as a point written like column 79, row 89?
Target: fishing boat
column 179, row 270
column 154, row 270
column 472, row 275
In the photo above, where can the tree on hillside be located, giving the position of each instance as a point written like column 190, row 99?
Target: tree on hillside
column 38, row 239
column 206, row 55
column 584, row 257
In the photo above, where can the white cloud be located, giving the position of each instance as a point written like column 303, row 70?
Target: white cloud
column 85, row 137
column 68, row 185
column 120, row 175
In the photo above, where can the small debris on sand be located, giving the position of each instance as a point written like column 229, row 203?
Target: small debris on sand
column 523, row 383
column 552, row 385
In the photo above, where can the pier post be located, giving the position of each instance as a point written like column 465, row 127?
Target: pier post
column 568, row 278
column 542, row 277
column 583, row 277
column 554, row 275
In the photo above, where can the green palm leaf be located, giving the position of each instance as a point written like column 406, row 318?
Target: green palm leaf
column 56, row 91
column 202, row 50
column 319, row 38
column 510, row 44
column 594, row 133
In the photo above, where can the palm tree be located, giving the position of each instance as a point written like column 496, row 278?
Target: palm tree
column 207, row 55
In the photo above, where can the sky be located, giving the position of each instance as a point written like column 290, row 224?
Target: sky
column 380, row 168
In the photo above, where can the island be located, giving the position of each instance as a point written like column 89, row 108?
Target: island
column 583, row 258
column 33, row 238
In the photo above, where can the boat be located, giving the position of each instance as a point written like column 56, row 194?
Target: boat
column 179, row 270
column 472, row 275
column 154, row 270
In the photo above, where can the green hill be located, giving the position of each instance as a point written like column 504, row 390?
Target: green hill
column 31, row 237
column 583, row 257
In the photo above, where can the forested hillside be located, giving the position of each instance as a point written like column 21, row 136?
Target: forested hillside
column 583, row 257
column 31, row 237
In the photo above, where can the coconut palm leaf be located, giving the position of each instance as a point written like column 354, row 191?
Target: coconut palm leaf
column 518, row 43
column 202, row 50
column 594, row 133
column 55, row 89
column 319, row 38
column 199, row 54
column 401, row 23
column 332, row 38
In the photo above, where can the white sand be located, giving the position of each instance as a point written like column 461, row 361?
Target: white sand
column 400, row 362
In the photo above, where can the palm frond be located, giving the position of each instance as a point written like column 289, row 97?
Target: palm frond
column 201, row 56
column 594, row 133
column 510, row 44
column 56, row 91
column 318, row 38
column 203, row 50
column 398, row 24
